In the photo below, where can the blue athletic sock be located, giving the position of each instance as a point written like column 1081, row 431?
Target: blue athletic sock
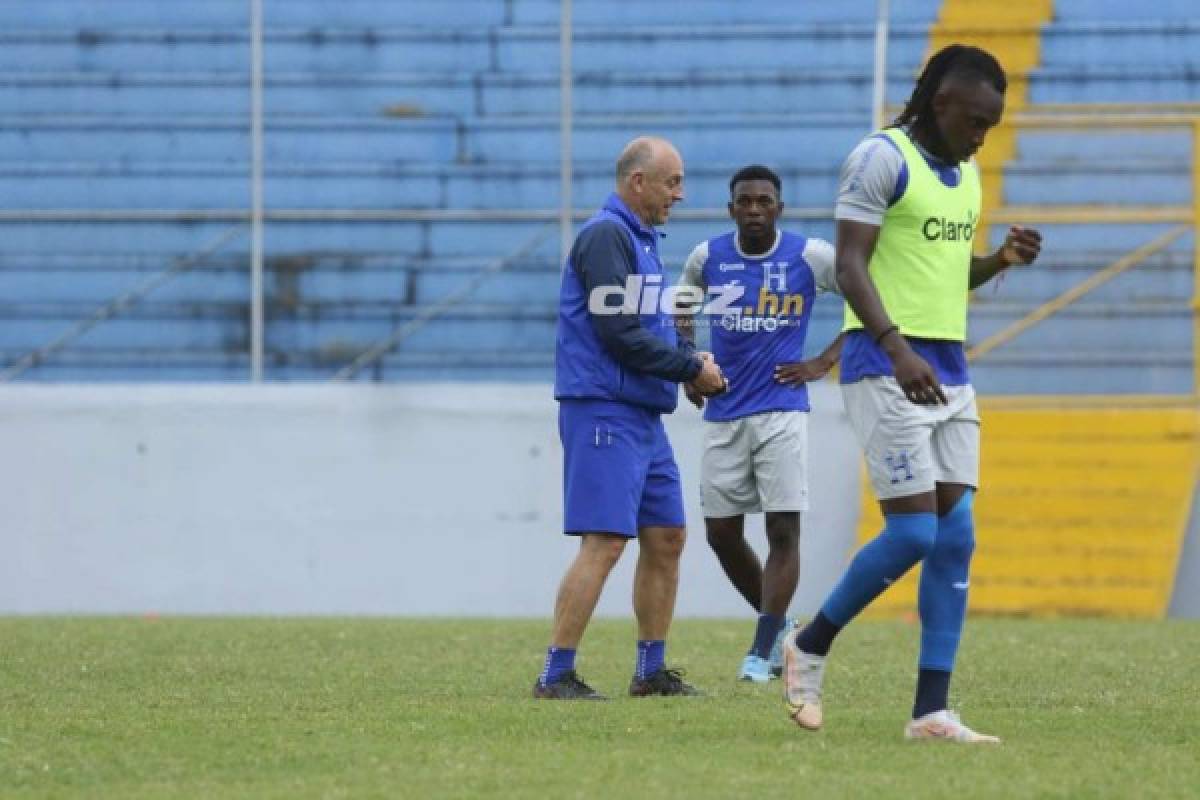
column 942, row 596
column 905, row 540
column 651, row 655
column 769, row 626
column 933, row 692
column 558, row 661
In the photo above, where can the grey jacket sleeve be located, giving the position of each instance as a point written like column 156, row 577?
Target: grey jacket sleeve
column 603, row 256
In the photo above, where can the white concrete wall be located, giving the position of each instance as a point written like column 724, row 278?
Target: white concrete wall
column 413, row 499
column 1185, row 600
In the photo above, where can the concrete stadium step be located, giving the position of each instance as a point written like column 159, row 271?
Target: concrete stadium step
column 696, row 91
column 1133, row 42
column 228, row 92
column 717, row 91
column 1024, row 371
column 41, row 286
column 1100, row 145
column 533, row 140
column 174, row 326
column 447, row 239
column 1019, row 374
column 322, row 49
column 209, row 325
column 1167, row 276
column 1090, row 10
column 1118, row 328
column 235, row 14
column 284, row 286
column 686, row 44
column 1115, row 84
column 341, row 329
column 643, row 16
column 1157, row 182
column 64, row 184
column 224, row 139
column 137, row 263
column 478, row 49
column 1130, row 464
column 72, row 14
column 408, row 94
column 1089, row 237
column 98, row 365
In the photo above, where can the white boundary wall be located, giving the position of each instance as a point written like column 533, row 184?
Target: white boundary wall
column 313, row 499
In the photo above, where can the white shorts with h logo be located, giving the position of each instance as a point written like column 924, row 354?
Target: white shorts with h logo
column 755, row 463
column 910, row 448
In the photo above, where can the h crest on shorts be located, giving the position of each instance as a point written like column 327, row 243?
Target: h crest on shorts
column 898, row 465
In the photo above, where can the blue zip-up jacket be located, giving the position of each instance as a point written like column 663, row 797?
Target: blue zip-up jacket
column 633, row 358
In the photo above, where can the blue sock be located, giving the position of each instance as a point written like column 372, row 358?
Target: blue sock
column 942, row 597
column 905, row 540
column 559, row 660
column 651, row 655
column 769, row 626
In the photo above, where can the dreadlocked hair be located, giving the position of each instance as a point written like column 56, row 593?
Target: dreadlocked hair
column 959, row 60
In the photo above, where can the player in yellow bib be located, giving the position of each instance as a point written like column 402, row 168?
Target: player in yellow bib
column 908, row 209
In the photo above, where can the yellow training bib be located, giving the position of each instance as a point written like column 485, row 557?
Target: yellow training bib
column 922, row 260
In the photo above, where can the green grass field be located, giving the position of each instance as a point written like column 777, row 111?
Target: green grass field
column 131, row 708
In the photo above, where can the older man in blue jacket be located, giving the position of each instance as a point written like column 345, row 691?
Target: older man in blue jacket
column 618, row 369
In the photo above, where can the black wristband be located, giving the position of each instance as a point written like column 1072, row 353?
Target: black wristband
column 886, row 331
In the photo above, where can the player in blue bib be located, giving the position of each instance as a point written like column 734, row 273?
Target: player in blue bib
column 759, row 283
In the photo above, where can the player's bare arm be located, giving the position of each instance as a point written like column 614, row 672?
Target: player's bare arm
column 855, row 245
column 1021, row 247
column 795, row 373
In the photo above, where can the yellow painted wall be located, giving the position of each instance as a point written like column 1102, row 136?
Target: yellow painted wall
column 1081, row 510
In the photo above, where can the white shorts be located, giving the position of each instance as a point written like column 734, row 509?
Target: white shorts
column 910, row 448
column 756, row 463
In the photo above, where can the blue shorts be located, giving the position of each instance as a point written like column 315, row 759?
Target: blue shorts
column 619, row 471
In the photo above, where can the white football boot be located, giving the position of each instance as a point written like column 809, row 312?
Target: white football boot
column 946, row 726
column 803, row 674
